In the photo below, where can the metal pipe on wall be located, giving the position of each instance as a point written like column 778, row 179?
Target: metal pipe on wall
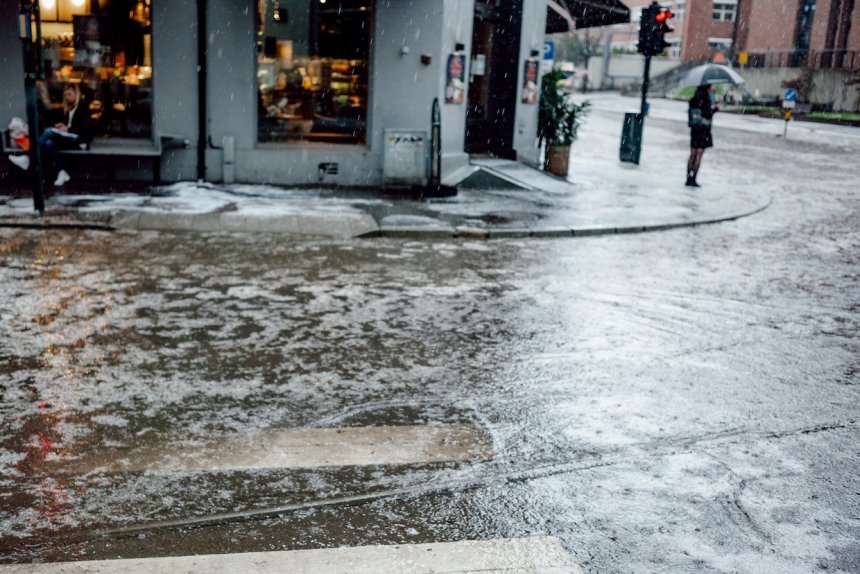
column 29, row 21
column 202, row 110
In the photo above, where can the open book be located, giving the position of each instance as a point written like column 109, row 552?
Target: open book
column 64, row 134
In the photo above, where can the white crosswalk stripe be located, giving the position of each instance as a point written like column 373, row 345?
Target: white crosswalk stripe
column 300, row 448
column 537, row 555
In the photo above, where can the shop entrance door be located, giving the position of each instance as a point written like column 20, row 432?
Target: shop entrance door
column 493, row 78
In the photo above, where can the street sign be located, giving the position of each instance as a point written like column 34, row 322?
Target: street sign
column 788, row 105
column 548, row 50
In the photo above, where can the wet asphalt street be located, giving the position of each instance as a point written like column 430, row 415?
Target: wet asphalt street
column 664, row 402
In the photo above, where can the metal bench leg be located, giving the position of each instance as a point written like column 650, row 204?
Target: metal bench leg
column 156, row 170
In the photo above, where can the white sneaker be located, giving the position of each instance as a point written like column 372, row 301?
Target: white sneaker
column 62, row 178
column 22, row 161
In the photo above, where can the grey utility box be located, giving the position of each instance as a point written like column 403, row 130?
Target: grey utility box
column 404, row 158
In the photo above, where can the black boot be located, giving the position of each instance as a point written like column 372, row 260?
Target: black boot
column 691, row 180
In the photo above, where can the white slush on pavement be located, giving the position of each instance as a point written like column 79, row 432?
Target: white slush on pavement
column 301, row 448
column 538, row 555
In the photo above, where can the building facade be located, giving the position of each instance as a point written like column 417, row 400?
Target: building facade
column 291, row 91
column 771, row 33
column 818, row 34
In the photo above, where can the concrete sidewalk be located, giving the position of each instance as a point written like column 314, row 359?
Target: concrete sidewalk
column 496, row 199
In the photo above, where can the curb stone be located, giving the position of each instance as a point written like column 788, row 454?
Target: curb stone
column 47, row 223
column 630, row 229
column 473, row 233
column 417, row 231
column 550, row 232
column 592, row 231
column 513, row 233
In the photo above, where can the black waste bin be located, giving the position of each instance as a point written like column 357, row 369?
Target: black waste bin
column 631, row 137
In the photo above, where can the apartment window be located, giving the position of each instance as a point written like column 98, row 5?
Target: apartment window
column 725, row 10
column 679, row 10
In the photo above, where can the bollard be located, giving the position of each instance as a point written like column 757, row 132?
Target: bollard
column 631, row 137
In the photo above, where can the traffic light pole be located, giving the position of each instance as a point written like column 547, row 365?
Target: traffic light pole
column 653, row 28
column 644, row 108
column 28, row 15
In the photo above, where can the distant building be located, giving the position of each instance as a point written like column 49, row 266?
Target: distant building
column 757, row 33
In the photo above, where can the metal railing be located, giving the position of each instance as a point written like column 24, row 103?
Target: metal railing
column 817, row 59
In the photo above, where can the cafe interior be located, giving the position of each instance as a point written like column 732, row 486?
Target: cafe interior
column 313, row 70
column 105, row 47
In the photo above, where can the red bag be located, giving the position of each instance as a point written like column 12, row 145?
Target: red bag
column 22, row 142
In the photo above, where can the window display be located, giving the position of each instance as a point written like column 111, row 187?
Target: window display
column 312, row 70
column 104, row 47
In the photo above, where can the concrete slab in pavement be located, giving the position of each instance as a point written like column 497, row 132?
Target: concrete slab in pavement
column 536, row 555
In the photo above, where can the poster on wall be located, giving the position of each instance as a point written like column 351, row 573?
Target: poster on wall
column 530, row 79
column 455, row 88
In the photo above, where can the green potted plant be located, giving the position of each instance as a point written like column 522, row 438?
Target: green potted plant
column 558, row 122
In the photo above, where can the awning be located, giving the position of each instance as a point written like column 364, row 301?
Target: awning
column 566, row 15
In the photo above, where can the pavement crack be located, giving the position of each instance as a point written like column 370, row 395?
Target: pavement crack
column 812, row 430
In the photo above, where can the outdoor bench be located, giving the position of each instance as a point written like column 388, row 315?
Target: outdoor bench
column 110, row 149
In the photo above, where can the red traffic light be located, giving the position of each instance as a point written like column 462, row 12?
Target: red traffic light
column 663, row 15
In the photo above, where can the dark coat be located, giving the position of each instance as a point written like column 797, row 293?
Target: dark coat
column 700, row 136
column 703, row 102
column 80, row 124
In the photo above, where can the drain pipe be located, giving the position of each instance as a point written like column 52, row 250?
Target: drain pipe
column 202, row 110
column 436, row 145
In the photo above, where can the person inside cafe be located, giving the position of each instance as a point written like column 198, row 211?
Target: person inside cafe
column 71, row 133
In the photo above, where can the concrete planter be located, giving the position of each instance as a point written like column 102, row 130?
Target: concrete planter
column 557, row 157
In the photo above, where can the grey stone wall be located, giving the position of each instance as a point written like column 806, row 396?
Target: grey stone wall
column 174, row 82
column 532, row 38
column 829, row 85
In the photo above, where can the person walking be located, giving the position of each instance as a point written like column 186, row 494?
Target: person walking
column 701, row 111
column 68, row 134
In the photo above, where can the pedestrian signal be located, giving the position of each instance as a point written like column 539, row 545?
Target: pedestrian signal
column 646, row 30
column 653, row 27
column 662, row 28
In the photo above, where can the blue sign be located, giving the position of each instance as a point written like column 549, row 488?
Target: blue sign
column 790, row 95
column 548, row 50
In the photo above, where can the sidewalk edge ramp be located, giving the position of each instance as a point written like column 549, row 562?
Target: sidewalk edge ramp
column 534, row 555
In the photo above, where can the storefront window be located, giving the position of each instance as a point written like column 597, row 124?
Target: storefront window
column 312, row 70
column 104, row 46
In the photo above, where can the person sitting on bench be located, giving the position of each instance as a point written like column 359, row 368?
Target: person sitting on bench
column 71, row 133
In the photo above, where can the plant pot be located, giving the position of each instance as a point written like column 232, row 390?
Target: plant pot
column 557, row 157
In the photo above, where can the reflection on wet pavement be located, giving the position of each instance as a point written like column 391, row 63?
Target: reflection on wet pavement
column 693, row 390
